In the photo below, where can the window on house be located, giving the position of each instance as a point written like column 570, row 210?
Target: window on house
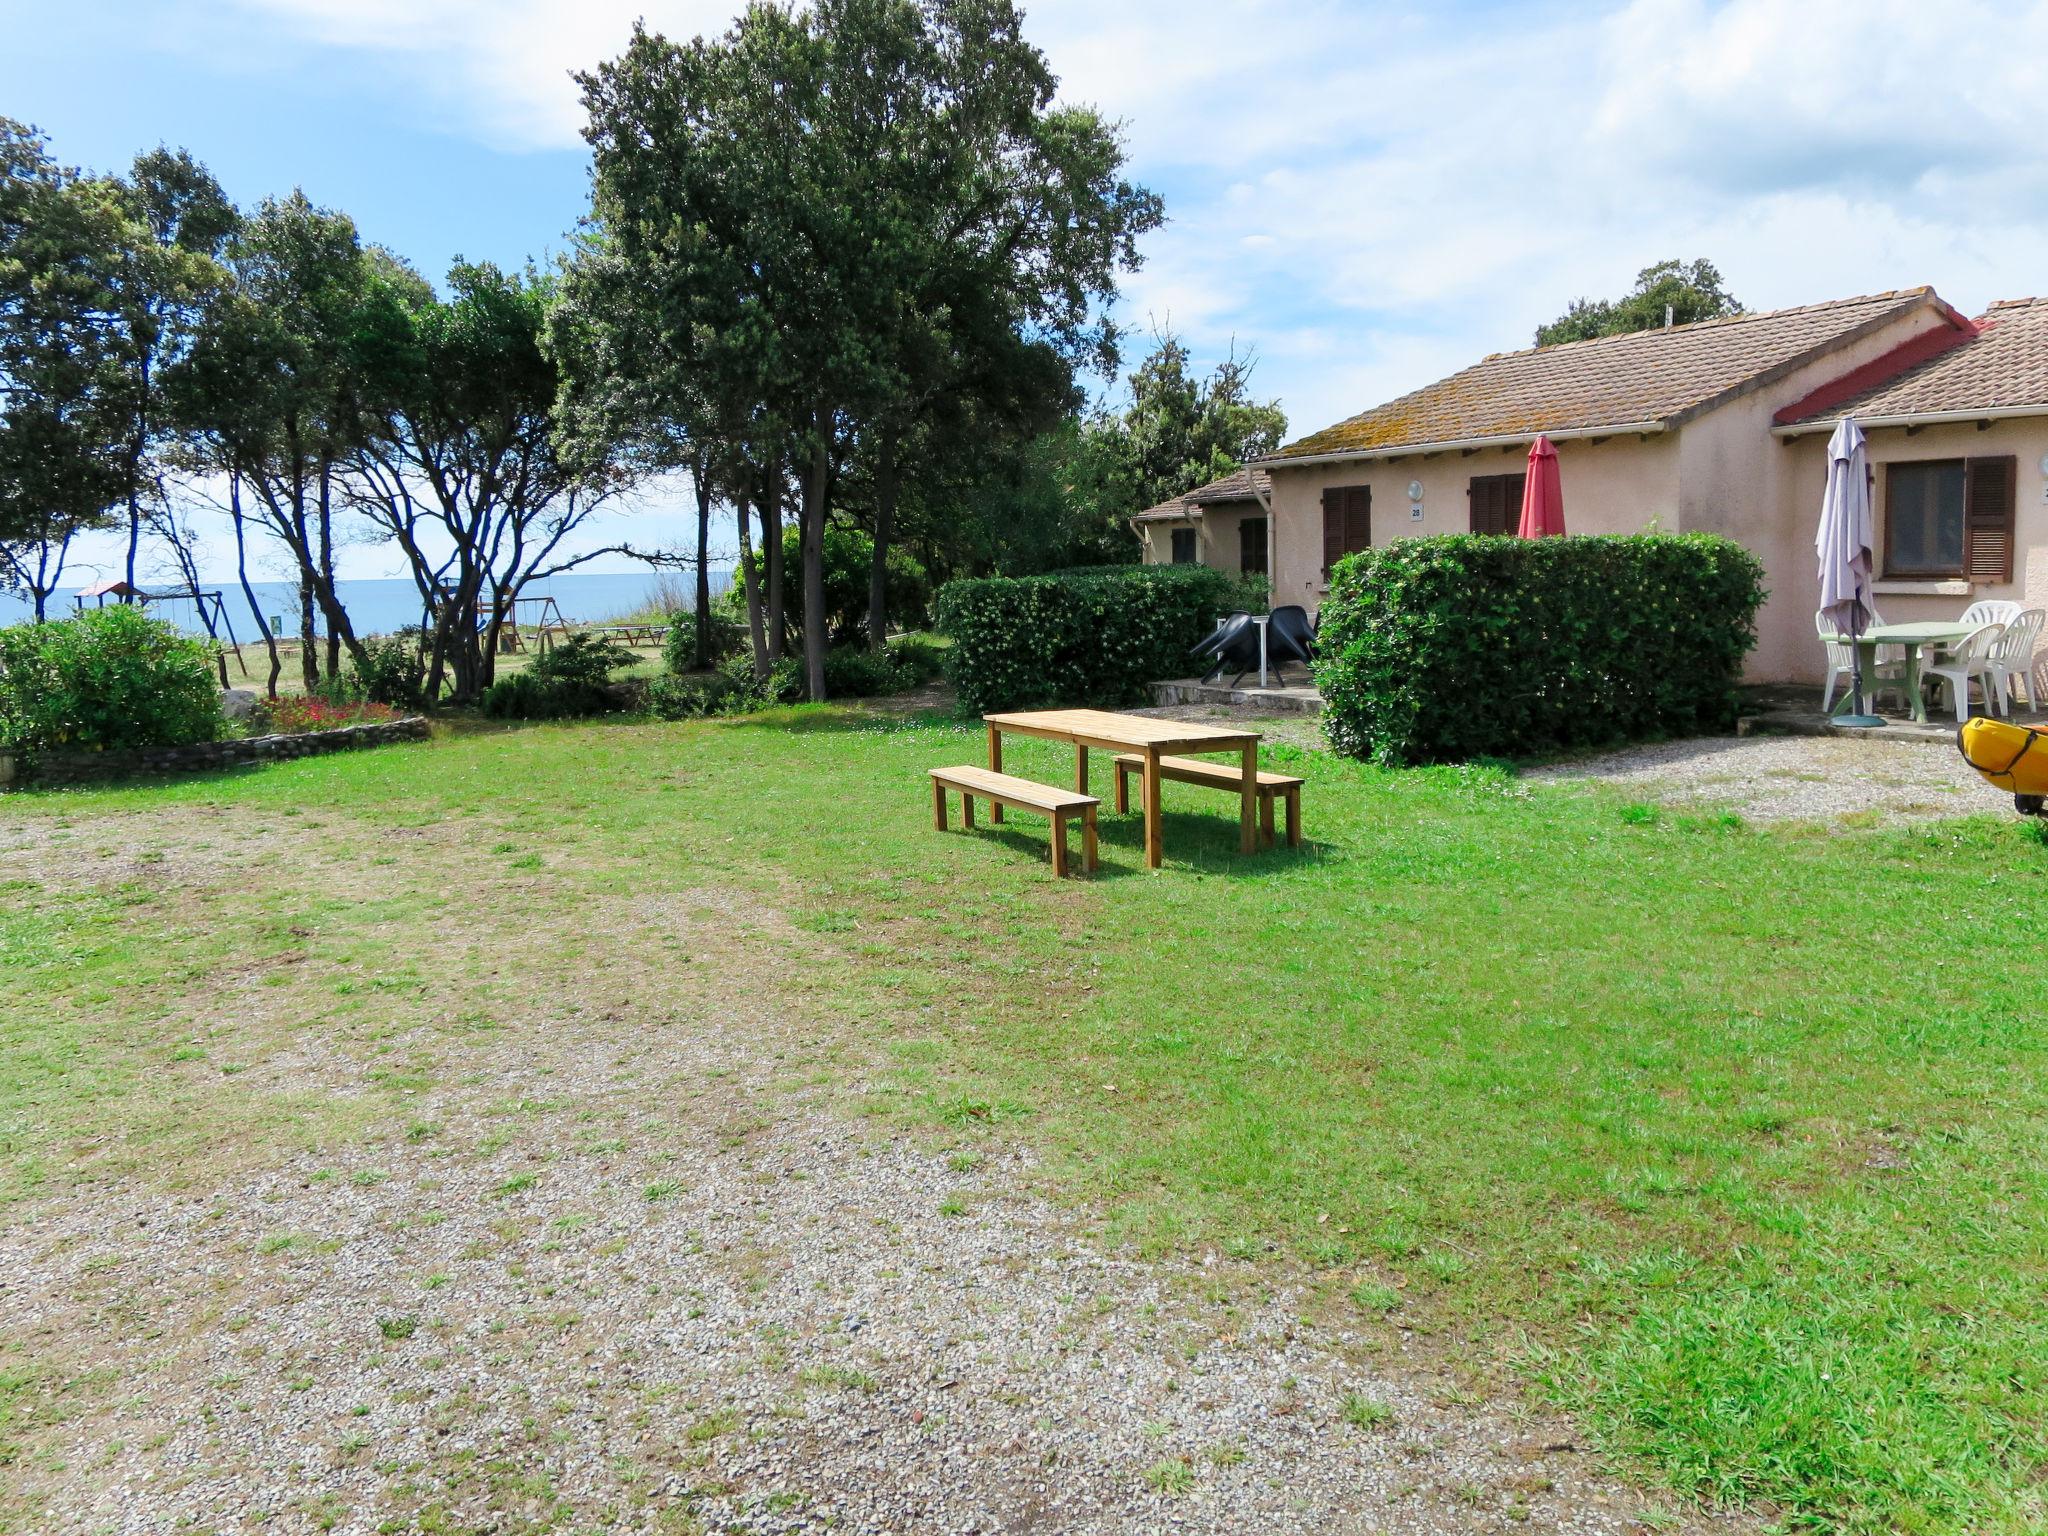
column 1185, row 551
column 1950, row 518
column 1347, row 522
column 1251, row 545
column 1923, row 518
column 1496, row 503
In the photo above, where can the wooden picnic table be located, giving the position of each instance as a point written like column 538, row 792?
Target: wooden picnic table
column 1147, row 737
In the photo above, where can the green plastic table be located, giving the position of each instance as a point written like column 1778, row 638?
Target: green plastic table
column 1913, row 637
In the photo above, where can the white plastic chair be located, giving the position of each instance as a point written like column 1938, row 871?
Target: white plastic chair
column 1971, row 658
column 2012, row 658
column 1992, row 610
column 1888, row 669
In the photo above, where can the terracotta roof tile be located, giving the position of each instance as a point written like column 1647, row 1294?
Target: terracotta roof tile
column 2003, row 366
column 1658, row 376
column 1246, row 484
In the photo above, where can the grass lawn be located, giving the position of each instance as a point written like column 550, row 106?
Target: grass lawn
column 1729, row 1140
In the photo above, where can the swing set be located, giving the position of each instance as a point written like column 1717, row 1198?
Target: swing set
column 210, row 610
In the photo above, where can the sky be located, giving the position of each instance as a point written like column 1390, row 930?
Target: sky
column 1367, row 196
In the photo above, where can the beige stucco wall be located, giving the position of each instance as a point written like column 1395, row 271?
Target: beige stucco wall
column 1722, row 472
column 1738, row 479
column 1621, row 485
column 1903, row 602
column 1218, row 539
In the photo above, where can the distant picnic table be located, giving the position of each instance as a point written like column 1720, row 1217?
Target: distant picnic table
column 632, row 634
column 1147, row 738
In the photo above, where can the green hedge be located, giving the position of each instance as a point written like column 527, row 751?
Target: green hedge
column 1091, row 636
column 1446, row 649
column 108, row 680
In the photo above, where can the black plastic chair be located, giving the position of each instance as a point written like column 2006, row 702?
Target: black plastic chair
column 1289, row 634
column 1224, row 634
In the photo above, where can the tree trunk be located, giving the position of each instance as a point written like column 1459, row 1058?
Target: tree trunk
column 750, row 579
column 327, row 570
column 813, row 536
column 249, row 592
column 771, row 556
column 701, row 474
column 885, row 518
column 138, row 445
column 309, row 646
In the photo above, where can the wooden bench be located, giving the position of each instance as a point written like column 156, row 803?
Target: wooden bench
column 1226, row 776
column 1020, row 795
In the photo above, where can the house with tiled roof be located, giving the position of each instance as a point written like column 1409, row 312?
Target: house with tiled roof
column 1221, row 524
column 1718, row 426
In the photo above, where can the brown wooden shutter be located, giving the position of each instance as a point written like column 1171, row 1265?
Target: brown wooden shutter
column 1990, row 488
column 1347, row 522
column 1496, row 503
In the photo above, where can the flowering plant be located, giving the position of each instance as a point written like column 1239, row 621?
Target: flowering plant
column 294, row 714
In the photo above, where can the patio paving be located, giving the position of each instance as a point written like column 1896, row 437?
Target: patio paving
column 1784, row 710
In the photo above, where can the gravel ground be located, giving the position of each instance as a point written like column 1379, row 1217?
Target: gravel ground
column 632, row 1265
column 1796, row 778
column 1823, row 779
column 794, row 1340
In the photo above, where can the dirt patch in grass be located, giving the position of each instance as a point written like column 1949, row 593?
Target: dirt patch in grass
column 419, row 1186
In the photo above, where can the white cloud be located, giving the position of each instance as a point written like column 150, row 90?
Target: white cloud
column 1371, row 195
column 505, row 67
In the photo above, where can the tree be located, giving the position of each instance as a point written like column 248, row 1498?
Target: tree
column 459, row 459
column 62, row 236
column 812, row 228
column 1677, row 291
column 164, row 275
column 1175, row 429
column 273, row 387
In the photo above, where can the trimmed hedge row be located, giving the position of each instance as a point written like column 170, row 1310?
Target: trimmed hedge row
column 1092, row 636
column 1446, row 649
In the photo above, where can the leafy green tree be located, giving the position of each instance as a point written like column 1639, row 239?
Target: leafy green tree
column 273, row 388
column 817, row 226
column 1680, row 291
column 166, row 271
column 62, row 432
column 459, row 460
column 1174, row 430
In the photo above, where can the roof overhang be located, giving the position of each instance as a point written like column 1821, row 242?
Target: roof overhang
column 1186, row 514
column 1462, row 444
column 1792, row 429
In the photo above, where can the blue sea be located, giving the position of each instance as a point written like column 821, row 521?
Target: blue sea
column 378, row 607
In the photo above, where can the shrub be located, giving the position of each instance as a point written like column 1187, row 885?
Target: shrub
column 728, row 637
column 570, row 678
column 849, row 557
column 687, row 698
column 851, row 672
column 391, row 670
column 1091, row 636
column 919, row 659
column 1448, row 649
column 110, row 679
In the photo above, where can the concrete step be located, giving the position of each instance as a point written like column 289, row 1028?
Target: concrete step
column 1278, row 700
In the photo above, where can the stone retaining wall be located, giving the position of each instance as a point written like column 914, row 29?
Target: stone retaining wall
column 86, row 767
